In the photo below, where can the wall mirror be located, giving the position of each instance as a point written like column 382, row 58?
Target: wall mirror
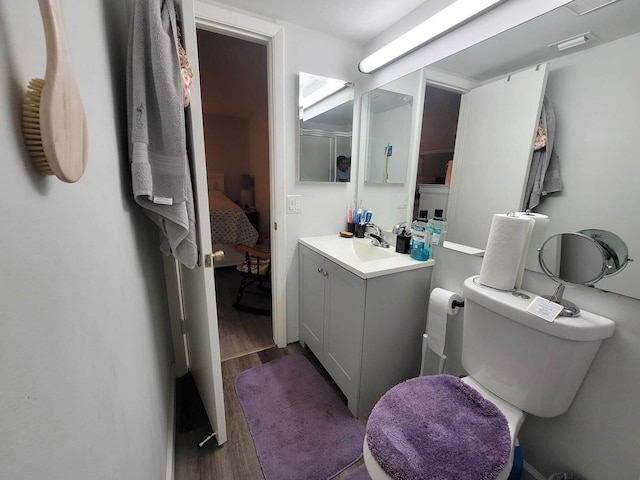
column 326, row 125
column 602, row 70
column 387, row 116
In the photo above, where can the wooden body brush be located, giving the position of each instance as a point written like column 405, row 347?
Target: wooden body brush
column 53, row 122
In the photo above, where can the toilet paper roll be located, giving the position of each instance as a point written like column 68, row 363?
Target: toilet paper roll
column 504, row 256
column 440, row 306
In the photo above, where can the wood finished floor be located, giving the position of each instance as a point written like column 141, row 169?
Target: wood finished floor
column 236, row 459
column 240, row 332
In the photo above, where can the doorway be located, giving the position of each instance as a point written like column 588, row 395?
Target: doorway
column 234, row 93
column 437, row 144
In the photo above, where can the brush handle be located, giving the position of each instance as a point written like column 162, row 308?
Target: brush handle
column 63, row 125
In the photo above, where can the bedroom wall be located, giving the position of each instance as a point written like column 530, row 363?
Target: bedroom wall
column 227, row 149
column 259, row 166
column 234, row 79
column 84, row 351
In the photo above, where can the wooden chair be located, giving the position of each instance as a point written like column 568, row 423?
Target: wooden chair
column 256, row 269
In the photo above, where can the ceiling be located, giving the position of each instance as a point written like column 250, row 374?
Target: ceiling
column 533, row 42
column 528, row 44
column 356, row 20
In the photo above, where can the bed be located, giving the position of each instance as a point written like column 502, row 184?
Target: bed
column 229, row 224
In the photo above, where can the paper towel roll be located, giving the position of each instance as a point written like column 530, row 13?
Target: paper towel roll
column 504, row 256
column 538, row 237
column 440, row 306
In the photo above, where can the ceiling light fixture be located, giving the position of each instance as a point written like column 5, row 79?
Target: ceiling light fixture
column 443, row 21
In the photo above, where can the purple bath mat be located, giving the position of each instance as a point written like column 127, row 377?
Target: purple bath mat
column 300, row 427
column 359, row 473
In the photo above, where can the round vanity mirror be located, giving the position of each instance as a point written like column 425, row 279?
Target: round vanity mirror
column 573, row 259
column 581, row 258
column 615, row 250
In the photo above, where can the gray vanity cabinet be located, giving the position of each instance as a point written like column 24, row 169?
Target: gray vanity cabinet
column 331, row 318
column 367, row 333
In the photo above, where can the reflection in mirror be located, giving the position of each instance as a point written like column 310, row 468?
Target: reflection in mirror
column 437, row 144
column 615, row 250
column 572, row 259
column 326, row 124
column 595, row 140
column 390, row 201
column 387, row 116
column 602, row 71
column 389, row 130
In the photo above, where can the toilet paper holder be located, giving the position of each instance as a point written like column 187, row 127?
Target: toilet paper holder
column 457, row 304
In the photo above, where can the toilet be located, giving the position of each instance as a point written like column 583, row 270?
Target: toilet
column 517, row 364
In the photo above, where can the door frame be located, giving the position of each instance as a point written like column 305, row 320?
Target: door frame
column 238, row 25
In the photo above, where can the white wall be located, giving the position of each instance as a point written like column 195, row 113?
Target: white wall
column 84, row 347
column 598, row 437
column 323, row 204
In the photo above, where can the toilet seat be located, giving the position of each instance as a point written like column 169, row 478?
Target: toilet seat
column 433, row 388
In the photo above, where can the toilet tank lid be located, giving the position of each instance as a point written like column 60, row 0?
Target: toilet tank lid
column 587, row 327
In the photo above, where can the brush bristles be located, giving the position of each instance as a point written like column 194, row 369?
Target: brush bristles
column 31, row 126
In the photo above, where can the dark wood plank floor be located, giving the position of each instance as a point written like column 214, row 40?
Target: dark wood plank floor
column 236, row 459
column 240, row 332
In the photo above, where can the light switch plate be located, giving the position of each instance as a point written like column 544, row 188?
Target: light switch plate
column 403, row 200
column 294, row 203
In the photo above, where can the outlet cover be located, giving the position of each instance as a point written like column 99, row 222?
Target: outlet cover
column 403, row 200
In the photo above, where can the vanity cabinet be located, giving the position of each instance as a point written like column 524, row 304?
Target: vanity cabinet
column 367, row 333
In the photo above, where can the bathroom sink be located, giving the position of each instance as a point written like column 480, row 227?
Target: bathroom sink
column 366, row 252
column 360, row 257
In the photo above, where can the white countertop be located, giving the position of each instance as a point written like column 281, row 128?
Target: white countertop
column 360, row 257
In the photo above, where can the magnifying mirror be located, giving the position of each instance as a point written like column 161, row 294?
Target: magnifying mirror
column 581, row 258
column 616, row 251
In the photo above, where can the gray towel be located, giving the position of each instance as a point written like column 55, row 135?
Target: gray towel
column 544, row 173
column 157, row 136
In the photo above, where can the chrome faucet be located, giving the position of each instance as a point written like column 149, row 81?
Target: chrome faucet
column 378, row 241
column 399, row 228
column 377, row 238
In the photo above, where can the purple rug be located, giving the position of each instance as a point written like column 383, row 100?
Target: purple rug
column 359, row 473
column 301, row 428
column 438, row 427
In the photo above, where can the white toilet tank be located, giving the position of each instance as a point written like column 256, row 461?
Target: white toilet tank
column 535, row 365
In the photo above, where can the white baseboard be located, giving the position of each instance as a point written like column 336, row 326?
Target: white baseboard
column 171, row 426
column 531, row 473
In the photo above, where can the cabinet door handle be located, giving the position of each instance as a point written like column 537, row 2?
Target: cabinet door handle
column 325, row 273
column 320, row 270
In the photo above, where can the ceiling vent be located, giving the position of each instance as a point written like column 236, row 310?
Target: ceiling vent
column 582, row 7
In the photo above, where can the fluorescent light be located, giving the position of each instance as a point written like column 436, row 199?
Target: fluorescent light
column 573, row 42
column 444, row 20
column 329, row 88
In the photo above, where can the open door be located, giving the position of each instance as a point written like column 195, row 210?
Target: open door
column 198, row 287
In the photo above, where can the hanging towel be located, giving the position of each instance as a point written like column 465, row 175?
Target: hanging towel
column 157, row 137
column 544, row 173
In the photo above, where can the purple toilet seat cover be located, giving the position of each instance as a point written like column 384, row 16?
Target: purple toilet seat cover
column 438, row 428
